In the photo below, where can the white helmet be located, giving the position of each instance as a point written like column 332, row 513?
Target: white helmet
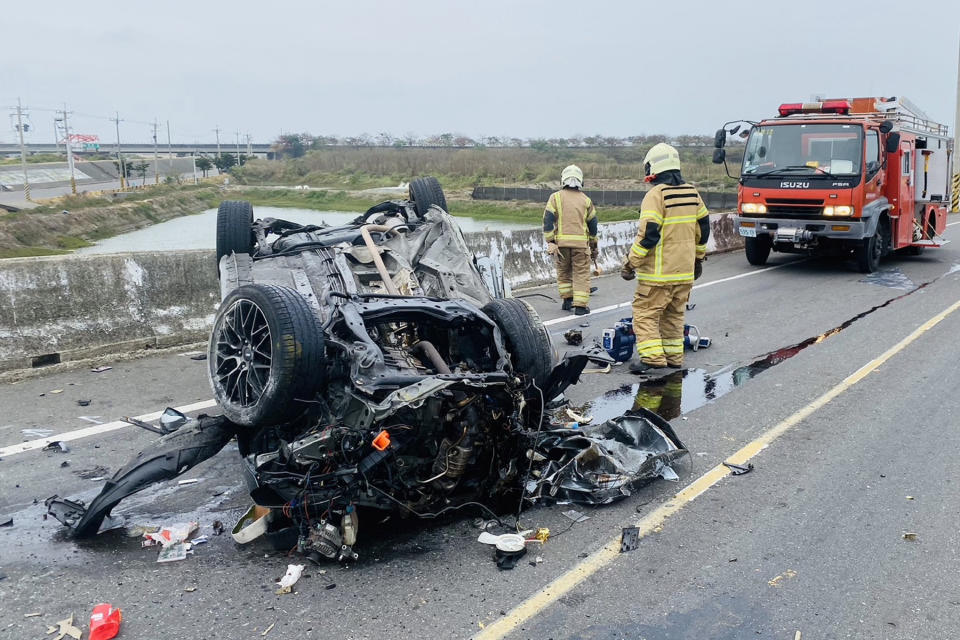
column 572, row 176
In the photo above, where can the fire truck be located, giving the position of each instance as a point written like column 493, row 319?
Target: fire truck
column 864, row 177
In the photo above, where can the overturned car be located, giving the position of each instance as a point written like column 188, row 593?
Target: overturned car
column 378, row 365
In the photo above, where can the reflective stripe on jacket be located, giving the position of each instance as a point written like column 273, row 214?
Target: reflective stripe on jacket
column 570, row 219
column 676, row 212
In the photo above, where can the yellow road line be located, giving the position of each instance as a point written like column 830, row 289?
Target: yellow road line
column 606, row 554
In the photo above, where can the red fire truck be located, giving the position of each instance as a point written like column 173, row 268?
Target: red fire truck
column 865, row 176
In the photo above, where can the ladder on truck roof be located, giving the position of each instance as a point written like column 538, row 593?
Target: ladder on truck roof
column 899, row 110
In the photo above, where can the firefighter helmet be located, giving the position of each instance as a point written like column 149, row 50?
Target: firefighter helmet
column 572, row 176
column 661, row 157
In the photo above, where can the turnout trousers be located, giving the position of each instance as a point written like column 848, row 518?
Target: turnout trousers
column 573, row 275
column 658, row 313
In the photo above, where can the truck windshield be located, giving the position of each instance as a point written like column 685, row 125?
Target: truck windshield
column 834, row 149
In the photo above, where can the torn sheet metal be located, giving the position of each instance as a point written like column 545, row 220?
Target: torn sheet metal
column 600, row 464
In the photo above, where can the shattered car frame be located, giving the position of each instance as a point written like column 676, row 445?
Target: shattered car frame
column 377, row 365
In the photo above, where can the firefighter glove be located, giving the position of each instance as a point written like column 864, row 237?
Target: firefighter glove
column 594, row 249
column 697, row 269
column 626, row 272
column 552, row 248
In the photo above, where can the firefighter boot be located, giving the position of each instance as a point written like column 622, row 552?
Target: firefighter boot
column 581, row 311
column 567, row 304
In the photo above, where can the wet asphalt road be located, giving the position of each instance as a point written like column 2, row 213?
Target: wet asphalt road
column 810, row 541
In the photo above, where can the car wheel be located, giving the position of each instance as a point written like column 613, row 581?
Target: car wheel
column 758, row 249
column 234, row 228
column 527, row 340
column 265, row 354
column 426, row 192
column 868, row 252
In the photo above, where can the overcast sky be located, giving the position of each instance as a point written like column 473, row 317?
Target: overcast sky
column 524, row 69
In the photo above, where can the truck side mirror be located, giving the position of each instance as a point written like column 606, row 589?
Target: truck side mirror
column 719, row 156
column 719, row 140
column 893, row 143
column 886, row 126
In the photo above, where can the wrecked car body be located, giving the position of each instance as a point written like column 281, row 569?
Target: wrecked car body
column 377, row 365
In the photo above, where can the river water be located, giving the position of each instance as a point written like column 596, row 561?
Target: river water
column 199, row 231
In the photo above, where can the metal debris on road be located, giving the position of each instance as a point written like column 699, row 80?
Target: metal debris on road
column 738, row 470
column 84, row 403
column 573, row 337
column 294, row 571
column 190, row 589
column 100, row 369
column 629, row 539
column 57, row 446
column 199, row 356
column 909, row 535
column 189, row 481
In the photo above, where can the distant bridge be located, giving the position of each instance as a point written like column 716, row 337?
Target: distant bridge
column 261, row 150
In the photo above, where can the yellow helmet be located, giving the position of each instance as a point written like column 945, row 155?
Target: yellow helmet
column 572, row 176
column 661, row 157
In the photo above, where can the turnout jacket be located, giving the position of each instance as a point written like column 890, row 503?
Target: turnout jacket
column 570, row 219
column 673, row 232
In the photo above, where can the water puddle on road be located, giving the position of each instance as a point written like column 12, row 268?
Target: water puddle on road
column 680, row 392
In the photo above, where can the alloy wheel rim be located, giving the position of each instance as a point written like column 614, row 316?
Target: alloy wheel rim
column 244, row 353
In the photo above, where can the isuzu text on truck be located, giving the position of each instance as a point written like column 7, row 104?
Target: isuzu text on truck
column 867, row 177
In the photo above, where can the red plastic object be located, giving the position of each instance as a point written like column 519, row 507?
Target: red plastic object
column 105, row 622
column 382, row 441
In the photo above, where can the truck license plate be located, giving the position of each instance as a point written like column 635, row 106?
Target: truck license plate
column 748, row 232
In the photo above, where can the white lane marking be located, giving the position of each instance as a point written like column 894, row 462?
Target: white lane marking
column 613, row 307
column 76, row 434
column 953, row 223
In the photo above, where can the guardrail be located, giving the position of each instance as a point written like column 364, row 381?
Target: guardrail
column 715, row 200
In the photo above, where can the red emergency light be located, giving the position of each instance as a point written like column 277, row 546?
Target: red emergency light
column 829, row 106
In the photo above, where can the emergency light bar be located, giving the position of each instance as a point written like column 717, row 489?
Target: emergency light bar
column 830, row 106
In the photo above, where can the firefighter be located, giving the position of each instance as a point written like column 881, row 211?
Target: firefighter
column 666, row 257
column 570, row 230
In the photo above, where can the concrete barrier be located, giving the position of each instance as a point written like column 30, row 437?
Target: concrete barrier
column 60, row 308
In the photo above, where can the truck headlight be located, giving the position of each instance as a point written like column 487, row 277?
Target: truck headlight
column 753, row 207
column 842, row 210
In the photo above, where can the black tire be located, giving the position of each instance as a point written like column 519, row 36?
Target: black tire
column 758, row 249
column 426, row 192
column 527, row 340
column 869, row 251
column 234, row 228
column 259, row 383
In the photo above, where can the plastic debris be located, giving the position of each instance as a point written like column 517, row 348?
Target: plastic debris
column 173, row 533
column 35, row 614
column 189, row 481
column 189, row 589
column 579, row 418
column 629, row 539
column 576, row 516
column 251, row 525
column 738, row 470
column 64, row 628
column 171, row 420
column 199, row 540
column 57, row 446
column 100, row 369
column 909, row 535
column 105, row 622
column 508, row 550
column 84, row 403
column 199, row 356
column 573, row 337
column 56, row 391
column 174, row 552
column 294, row 571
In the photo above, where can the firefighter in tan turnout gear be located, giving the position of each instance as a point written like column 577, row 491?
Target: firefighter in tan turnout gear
column 665, row 258
column 570, row 229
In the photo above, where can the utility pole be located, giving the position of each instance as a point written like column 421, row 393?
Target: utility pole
column 56, row 134
column 217, row 131
column 194, row 158
column 120, row 166
column 23, row 153
column 238, row 147
column 169, row 149
column 66, row 140
column 249, row 146
column 156, row 165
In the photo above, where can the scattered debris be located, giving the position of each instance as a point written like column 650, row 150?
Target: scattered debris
column 909, row 497
column 171, row 420
column 6, row 522
column 576, row 516
column 189, row 481
column 64, row 464
column 98, row 472
column 100, row 369
column 174, row 552
column 37, row 433
column 573, row 337
column 64, row 628
column 775, row 582
column 172, row 534
column 32, row 615
column 629, row 539
column 199, row 356
column 217, row 527
column 190, row 589
column 56, row 391
column 143, row 425
column 909, row 535
column 57, row 446
column 251, row 525
column 579, row 418
column 332, row 585
column 105, row 622
column 84, row 403
column 738, row 470
column 267, row 630
column 508, row 550
column 199, row 540
column 294, row 571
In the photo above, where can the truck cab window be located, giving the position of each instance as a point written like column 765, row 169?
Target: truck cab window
column 873, row 158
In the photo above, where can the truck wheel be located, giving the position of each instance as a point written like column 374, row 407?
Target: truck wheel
column 265, row 354
column 527, row 340
column 758, row 249
column 234, row 229
column 868, row 252
column 426, row 192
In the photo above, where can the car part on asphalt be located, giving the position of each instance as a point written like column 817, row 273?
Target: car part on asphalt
column 738, row 470
column 629, row 539
column 573, row 337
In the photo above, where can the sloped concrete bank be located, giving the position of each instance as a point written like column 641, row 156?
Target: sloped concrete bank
column 61, row 308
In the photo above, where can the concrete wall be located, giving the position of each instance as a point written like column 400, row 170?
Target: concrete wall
column 71, row 307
